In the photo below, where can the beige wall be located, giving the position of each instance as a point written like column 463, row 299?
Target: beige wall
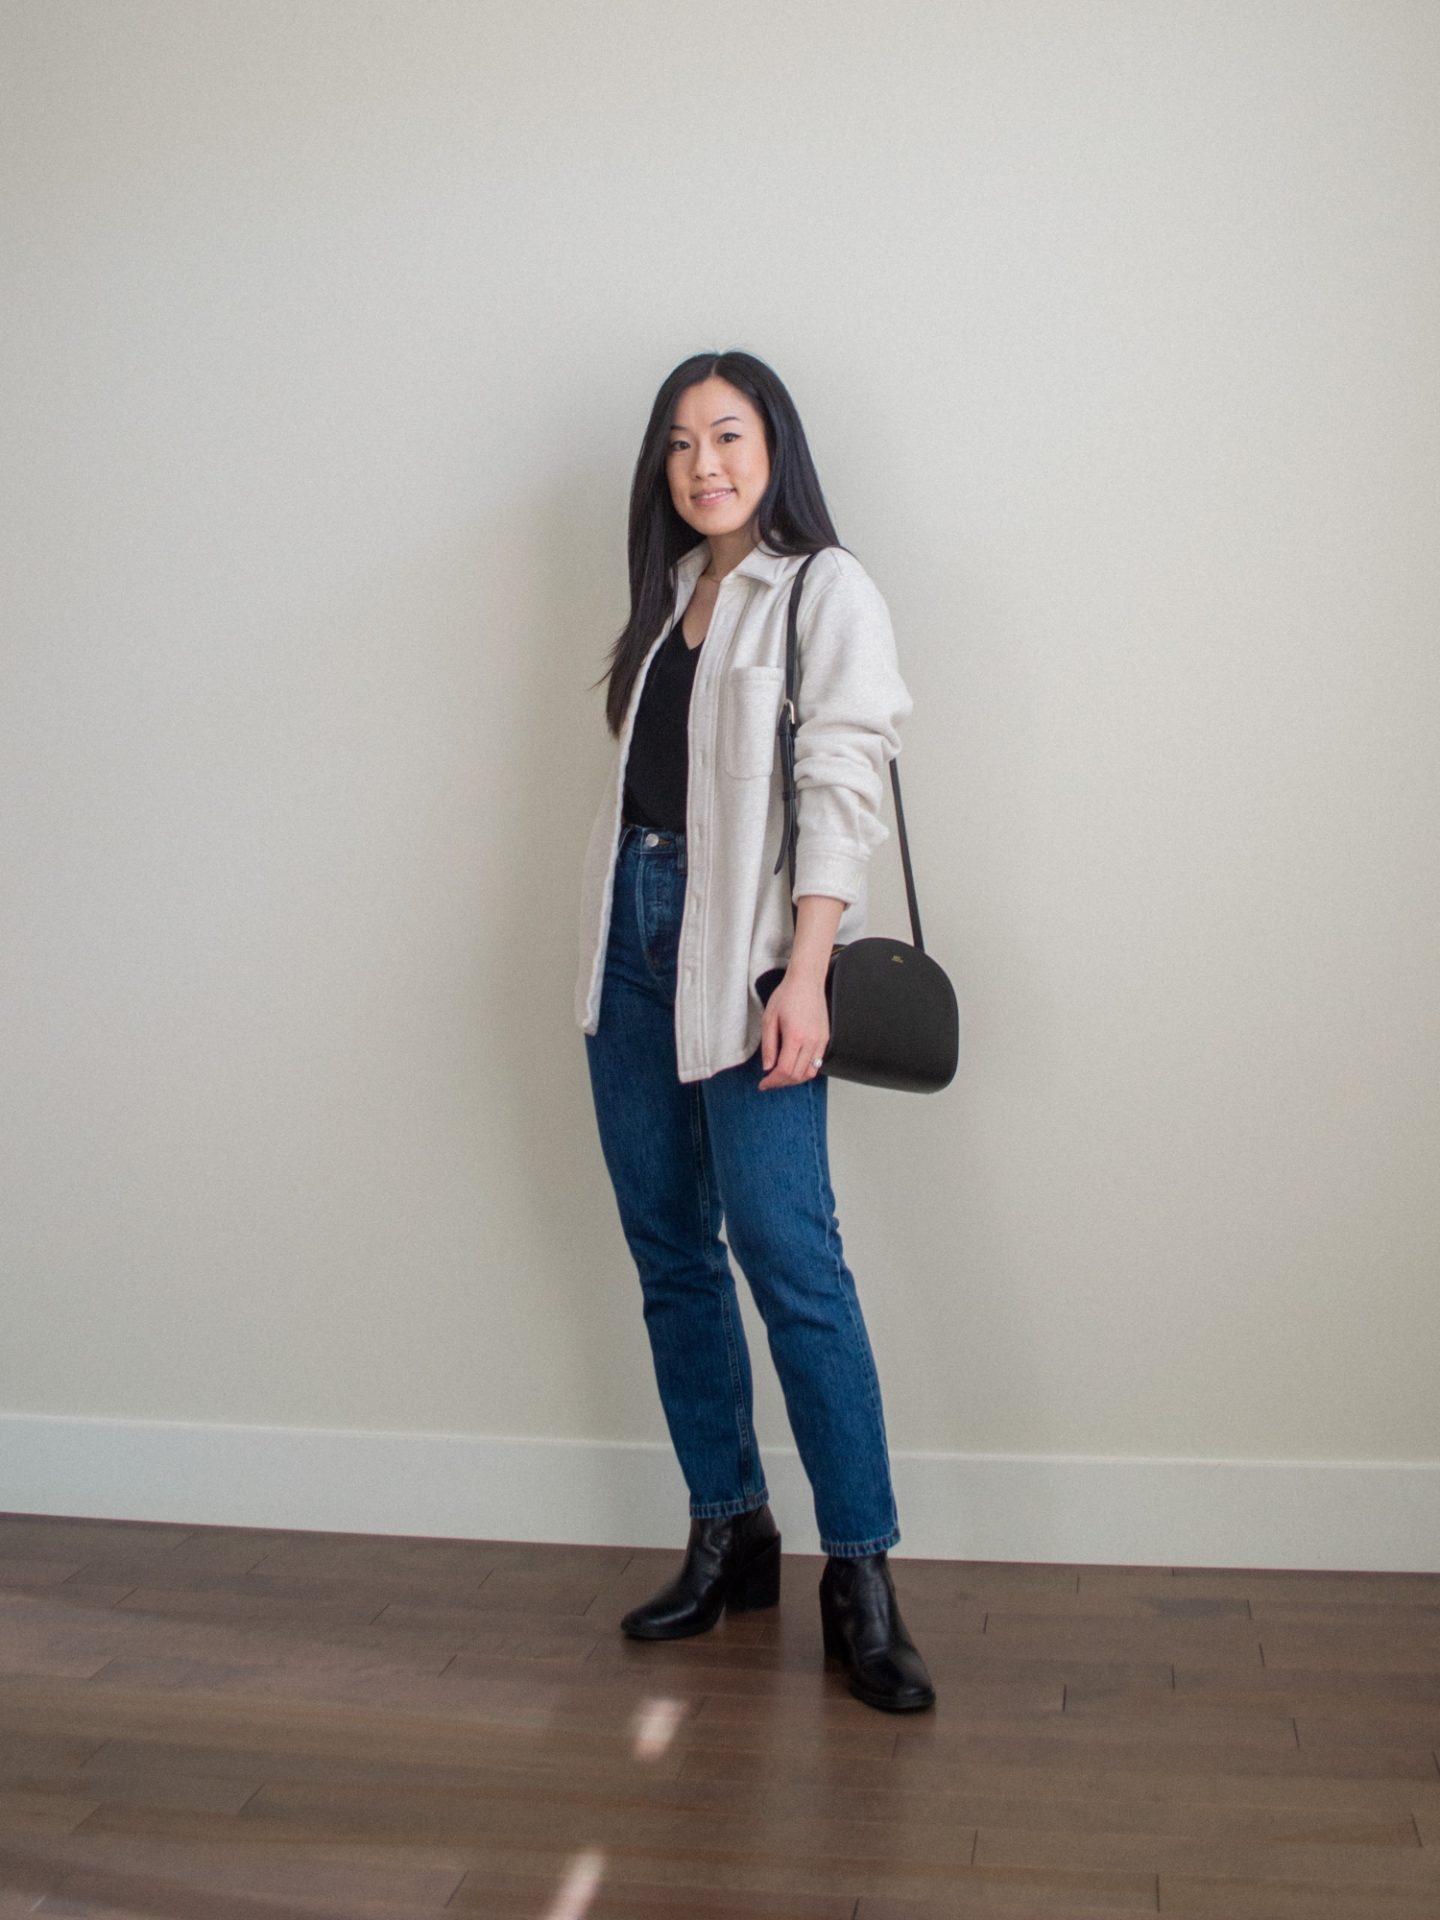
column 332, row 329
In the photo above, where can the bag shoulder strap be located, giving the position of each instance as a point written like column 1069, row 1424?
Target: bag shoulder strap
column 785, row 730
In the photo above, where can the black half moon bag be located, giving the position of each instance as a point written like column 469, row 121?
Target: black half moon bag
column 894, row 1019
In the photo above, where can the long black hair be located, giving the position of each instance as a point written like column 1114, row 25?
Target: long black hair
column 792, row 516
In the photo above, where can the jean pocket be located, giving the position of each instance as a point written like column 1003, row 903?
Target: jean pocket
column 749, row 710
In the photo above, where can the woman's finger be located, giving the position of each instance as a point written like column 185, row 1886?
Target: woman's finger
column 769, row 1040
column 797, row 1057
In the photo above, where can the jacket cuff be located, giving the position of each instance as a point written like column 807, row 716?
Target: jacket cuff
column 830, row 870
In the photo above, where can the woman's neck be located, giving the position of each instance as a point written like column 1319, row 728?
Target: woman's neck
column 727, row 550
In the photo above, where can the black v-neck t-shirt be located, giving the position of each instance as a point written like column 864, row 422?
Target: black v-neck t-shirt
column 657, row 766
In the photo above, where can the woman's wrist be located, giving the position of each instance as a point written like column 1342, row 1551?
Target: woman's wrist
column 810, row 968
column 817, row 915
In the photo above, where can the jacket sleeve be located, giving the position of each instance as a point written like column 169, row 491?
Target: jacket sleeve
column 849, row 706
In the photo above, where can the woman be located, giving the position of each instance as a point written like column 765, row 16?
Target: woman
column 710, row 1105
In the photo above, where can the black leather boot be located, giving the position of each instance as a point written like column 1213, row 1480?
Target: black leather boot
column 732, row 1562
column 860, row 1617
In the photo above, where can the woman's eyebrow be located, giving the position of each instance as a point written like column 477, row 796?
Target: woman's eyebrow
column 675, row 426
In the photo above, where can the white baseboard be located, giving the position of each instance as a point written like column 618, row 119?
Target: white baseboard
column 1376, row 1516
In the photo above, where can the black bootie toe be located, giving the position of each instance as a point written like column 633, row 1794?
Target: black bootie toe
column 860, row 1618
column 732, row 1562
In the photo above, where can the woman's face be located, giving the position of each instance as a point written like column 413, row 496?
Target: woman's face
column 717, row 462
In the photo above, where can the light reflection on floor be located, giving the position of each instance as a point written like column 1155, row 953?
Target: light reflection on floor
column 577, row 1889
column 652, row 1726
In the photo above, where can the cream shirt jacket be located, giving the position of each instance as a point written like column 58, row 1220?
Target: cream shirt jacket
column 850, row 703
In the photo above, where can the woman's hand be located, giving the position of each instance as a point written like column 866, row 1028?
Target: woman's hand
column 796, row 1029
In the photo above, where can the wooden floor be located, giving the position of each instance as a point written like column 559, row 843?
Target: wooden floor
column 247, row 1725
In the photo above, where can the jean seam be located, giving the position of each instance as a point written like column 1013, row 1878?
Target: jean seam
column 859, row 1549
column 725, row 1281
column 642, row 925
column 846, row 1288
column 723, row 1509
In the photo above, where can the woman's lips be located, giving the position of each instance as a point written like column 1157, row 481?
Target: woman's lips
column 709, row 499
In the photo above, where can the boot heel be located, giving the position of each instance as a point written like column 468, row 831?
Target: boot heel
column 759, row 1584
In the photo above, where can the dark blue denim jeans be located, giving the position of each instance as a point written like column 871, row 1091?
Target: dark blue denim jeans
column 685, row 1157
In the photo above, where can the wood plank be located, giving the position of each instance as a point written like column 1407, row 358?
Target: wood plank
column 204, row 1721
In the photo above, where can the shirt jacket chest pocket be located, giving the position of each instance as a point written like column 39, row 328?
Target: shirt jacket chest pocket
column 749, row 714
